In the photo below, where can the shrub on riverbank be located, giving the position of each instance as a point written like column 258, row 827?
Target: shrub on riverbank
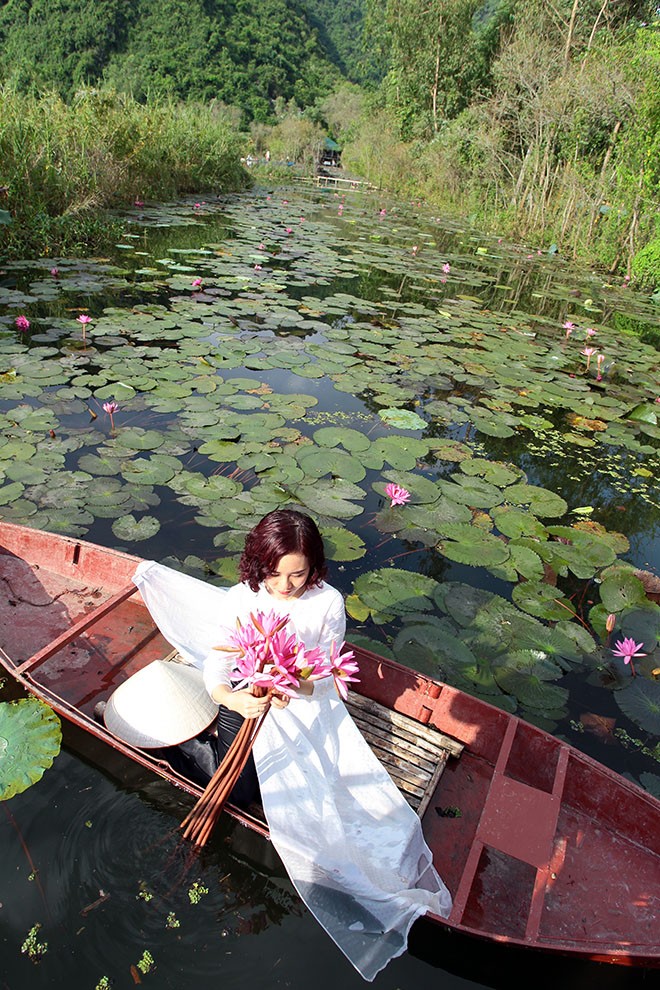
column 560, row 148
column 64, row 166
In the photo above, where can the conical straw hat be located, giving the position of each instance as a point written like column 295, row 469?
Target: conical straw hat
column 163, row 704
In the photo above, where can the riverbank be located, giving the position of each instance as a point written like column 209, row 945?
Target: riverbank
column 65, row 167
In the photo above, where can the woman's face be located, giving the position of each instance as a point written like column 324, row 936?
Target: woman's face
column 289, row 578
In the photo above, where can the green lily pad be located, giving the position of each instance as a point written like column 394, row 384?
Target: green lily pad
column 330, row 497
column 402, row 419
column 644, row 412
column 476, row 492
column 515, row 523
column 495, row 472
column 641, row 703
column 541, row 600
column 531, row 691
column 622, row 590
column 132, row 529
column 318, row 461
column 341, row 544
column 335, row 436
column 30, row 738
column 400, row 452
column 468, row 544
column 395, row 591
column 136, row 439
column 541, row 501
column 155, row 470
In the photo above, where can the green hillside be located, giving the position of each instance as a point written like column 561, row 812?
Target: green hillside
column 246, row 53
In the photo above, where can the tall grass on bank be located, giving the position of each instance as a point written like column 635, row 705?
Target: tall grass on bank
column 65, row 166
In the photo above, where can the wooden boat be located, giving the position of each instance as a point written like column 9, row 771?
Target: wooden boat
column 541, row 846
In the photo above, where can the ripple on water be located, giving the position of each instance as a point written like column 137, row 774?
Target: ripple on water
column 114, row 878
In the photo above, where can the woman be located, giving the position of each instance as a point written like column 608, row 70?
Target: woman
column 282, row 570
column 352, row 846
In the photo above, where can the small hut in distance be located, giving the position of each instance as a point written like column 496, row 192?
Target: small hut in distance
column 330, row 154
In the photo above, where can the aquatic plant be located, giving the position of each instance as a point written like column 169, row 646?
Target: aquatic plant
column 629, row 650
column 30, row 738
column 396, row 494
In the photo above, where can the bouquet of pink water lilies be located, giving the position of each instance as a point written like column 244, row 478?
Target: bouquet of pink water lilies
column 269, row 660
column 269, row 657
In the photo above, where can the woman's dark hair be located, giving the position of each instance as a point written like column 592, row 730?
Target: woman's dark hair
column 282, row 532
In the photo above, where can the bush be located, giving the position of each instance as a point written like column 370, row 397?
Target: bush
column 646, row 264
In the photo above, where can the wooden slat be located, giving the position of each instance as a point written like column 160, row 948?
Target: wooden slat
column 413, row 754
column 406, row 722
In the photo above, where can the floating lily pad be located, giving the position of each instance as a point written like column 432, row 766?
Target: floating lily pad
column 641, row 703
column 471, row 545
column 30, row 738
column 402, row 419
column 318, row 461
column 622, row 590
column 541, row 600
column 132, row 529
column 541, row 501
column 351, row 440
column 139, row 439
column 395, row 591
column 330, row 497
column 341, row 544
column 530, row 690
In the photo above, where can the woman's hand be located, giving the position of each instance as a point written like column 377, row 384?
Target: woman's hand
column 246, row 704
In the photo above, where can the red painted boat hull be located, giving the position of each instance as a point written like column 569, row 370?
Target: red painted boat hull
column 548, row 850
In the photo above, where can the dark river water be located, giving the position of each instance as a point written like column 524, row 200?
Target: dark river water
column 290, row 282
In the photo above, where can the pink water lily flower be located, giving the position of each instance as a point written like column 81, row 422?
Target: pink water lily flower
column 22, row 323
column 446, row 268
column 568, row 325
column 83, row 319
column 628, row 649
column 343, row 669
column 55, row 272
column 197, row 283
column 590, row 332
column 588, row 352
column 111, row 408
column 397, row 494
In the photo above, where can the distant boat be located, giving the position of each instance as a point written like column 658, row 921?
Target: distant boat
column 541, row 846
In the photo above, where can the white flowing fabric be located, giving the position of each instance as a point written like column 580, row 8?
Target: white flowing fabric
column 351, row 845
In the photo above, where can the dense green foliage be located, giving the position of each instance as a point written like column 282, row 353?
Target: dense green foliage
column 246, row 53
column 539, row 118
column 65, row 165
column 340, row 25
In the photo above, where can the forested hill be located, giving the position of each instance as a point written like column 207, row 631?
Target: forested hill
column 246, row 53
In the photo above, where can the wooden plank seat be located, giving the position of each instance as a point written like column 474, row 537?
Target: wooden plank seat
column 413, row 754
